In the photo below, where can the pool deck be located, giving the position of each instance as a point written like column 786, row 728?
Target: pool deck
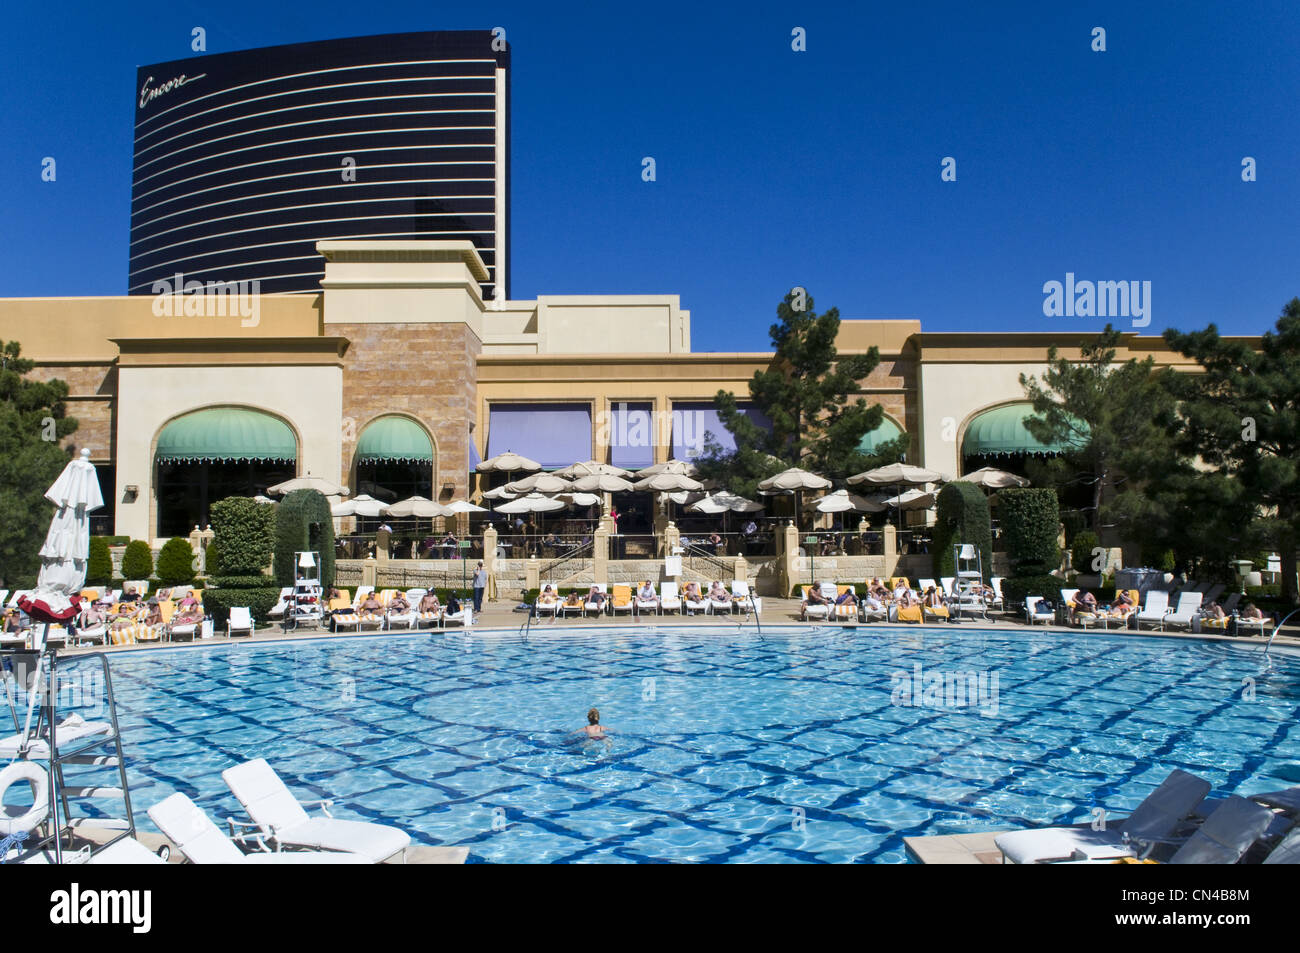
column 955, row 848
column 500, row 615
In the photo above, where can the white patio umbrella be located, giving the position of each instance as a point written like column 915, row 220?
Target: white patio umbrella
column 416, row 506
column 724, row 502
column 912, row 500
column 671, row 466
column 363, row 505
column 842, row 501
column 63, row 555
column 667, row 482
column 307, row 482
column 500, row 493
column 991, row 478
column 540, row 483
column 465, row 506
column 898, row 474
column 794, row 479
column 575, row 471
column 580, row 499
column 532, row 503
column 602, row 483
column 508, row 462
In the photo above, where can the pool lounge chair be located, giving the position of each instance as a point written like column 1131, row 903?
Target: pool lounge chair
column 562, row 611
column 669, row 600
column 650, row 605
column 843, row 611
column 373, row 619
column 1227, row 833
column 934, row 612
column 548, row 608
column 240, row 621
column 1189, row 604
column 278, row 610
column 697, row 605
column 721, row 606
column 811, row 611
column 1156, row 608
column 1034, row 614
column 596, row 607
column 463, row 618
column 282, row 819
column 620, row 600
column 195, row 835
column 742, row 599
column 1261, row 624
column 995, row 583
column 1156, row 820
column 400, row 620
column 911, row 614
column 948, row 584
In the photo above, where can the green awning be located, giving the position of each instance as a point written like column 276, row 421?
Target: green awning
column 226, row 433
column 394, row 440
column 871, row 441
column 1001, row 432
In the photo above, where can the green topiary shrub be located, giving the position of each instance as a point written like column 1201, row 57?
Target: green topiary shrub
column 962, row 516
column 1082, row 552
column 245, row 532
column 303, row 522
column 1030, row 519
column 137, row 561
column 99, row 562
column 176, row 562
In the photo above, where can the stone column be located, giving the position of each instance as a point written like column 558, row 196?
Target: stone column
column 789, row 559
column 490, row 560
column 891, row 551
column 368, row 572
column 531, row 571
column 600, row 551
column 672, row 539
column 661, row 526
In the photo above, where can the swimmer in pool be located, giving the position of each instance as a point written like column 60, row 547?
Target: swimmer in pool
column 595, row 730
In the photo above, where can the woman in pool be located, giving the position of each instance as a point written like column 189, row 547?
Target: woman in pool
column 595, row 730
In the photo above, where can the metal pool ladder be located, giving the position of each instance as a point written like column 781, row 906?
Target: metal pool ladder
column 1269, row 644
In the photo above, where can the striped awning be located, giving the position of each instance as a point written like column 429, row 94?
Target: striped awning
column 1001, row 432
column 226, row 434
column 394, row 439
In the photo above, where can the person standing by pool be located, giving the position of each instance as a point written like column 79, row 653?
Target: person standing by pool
column 480, row 585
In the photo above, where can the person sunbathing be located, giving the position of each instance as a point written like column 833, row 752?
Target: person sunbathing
column 398, row 604
column 647, row 593
column 573, row 601
column 847, row 598
column 154, row 615
column 1215, row 611
column 92, row 616
column 429, row 604
column 189, row 614
column 1251, row 611
column 547, row 597
column 13, row 621
column 692, row 592
column 1083, row 603
column 718, row 592
column 815, row 597
column 371, row 605
column 933, row 599
column 595, row 597
column 905, row 597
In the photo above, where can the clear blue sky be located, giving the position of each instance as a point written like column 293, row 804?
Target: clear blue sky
column 775, row 168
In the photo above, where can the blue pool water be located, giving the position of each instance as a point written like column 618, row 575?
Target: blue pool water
column 794, row 747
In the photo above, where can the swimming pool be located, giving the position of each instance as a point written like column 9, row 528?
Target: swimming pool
column 802, row 745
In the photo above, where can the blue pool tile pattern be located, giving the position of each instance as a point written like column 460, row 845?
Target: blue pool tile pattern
column 728, row 747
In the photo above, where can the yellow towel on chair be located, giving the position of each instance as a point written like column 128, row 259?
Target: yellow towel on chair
column 909, row 614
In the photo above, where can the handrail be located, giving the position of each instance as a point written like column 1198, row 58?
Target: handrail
column 547, row 572
column 695, row 552
column 1269, row 644
column 526, row 626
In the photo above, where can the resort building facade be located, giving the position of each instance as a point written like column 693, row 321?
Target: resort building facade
column 398, row 374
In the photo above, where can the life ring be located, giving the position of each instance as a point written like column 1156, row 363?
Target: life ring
column 34, row 775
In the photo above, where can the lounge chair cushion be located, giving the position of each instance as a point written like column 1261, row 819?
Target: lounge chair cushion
column 374, row 841
column 1226, row 834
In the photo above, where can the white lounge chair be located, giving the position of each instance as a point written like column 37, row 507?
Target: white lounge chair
column 393, row 619
column 926, row 584
column 996, row 583
column 274, row 809
column 282, row 604
column 186, row 825
column 548, row 608
column 615, row 607
column 1189, row 604
column 809, row 610
column 947, row 583
column 741, row 598
column 1156, row 608
column 1288, row 851
column 1156, row 820
column 241, row 621
column 650, row 605
column 463, row 618
column 669, row 600
column 718, row 606
column 597, row 607
column 1034, row 614
column 697, row 605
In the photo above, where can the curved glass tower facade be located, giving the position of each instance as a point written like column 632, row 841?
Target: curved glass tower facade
column 243, row 161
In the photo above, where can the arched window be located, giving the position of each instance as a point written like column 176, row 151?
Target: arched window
column 394, row 460
column 210, row 454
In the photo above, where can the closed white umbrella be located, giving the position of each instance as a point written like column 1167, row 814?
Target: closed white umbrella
column 262, row 499
column 541, row 483
column 308, row 482
column 66, row 548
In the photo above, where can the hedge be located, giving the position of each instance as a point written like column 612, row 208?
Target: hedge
column 137, row 561
column 1081, row 552
column 99, row 562
column 176, row 562
column 244, row 531
column 297, row 514
column 962, row 517
column 217, row 603
column 1030, row 520
column 1015, row 588
column 241, row 582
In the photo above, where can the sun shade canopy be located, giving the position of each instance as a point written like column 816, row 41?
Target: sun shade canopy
column 226, row 434
column 1001, row 432
column 872, row 440
column 694, row 422
column 552, row 434
column 394, row 440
